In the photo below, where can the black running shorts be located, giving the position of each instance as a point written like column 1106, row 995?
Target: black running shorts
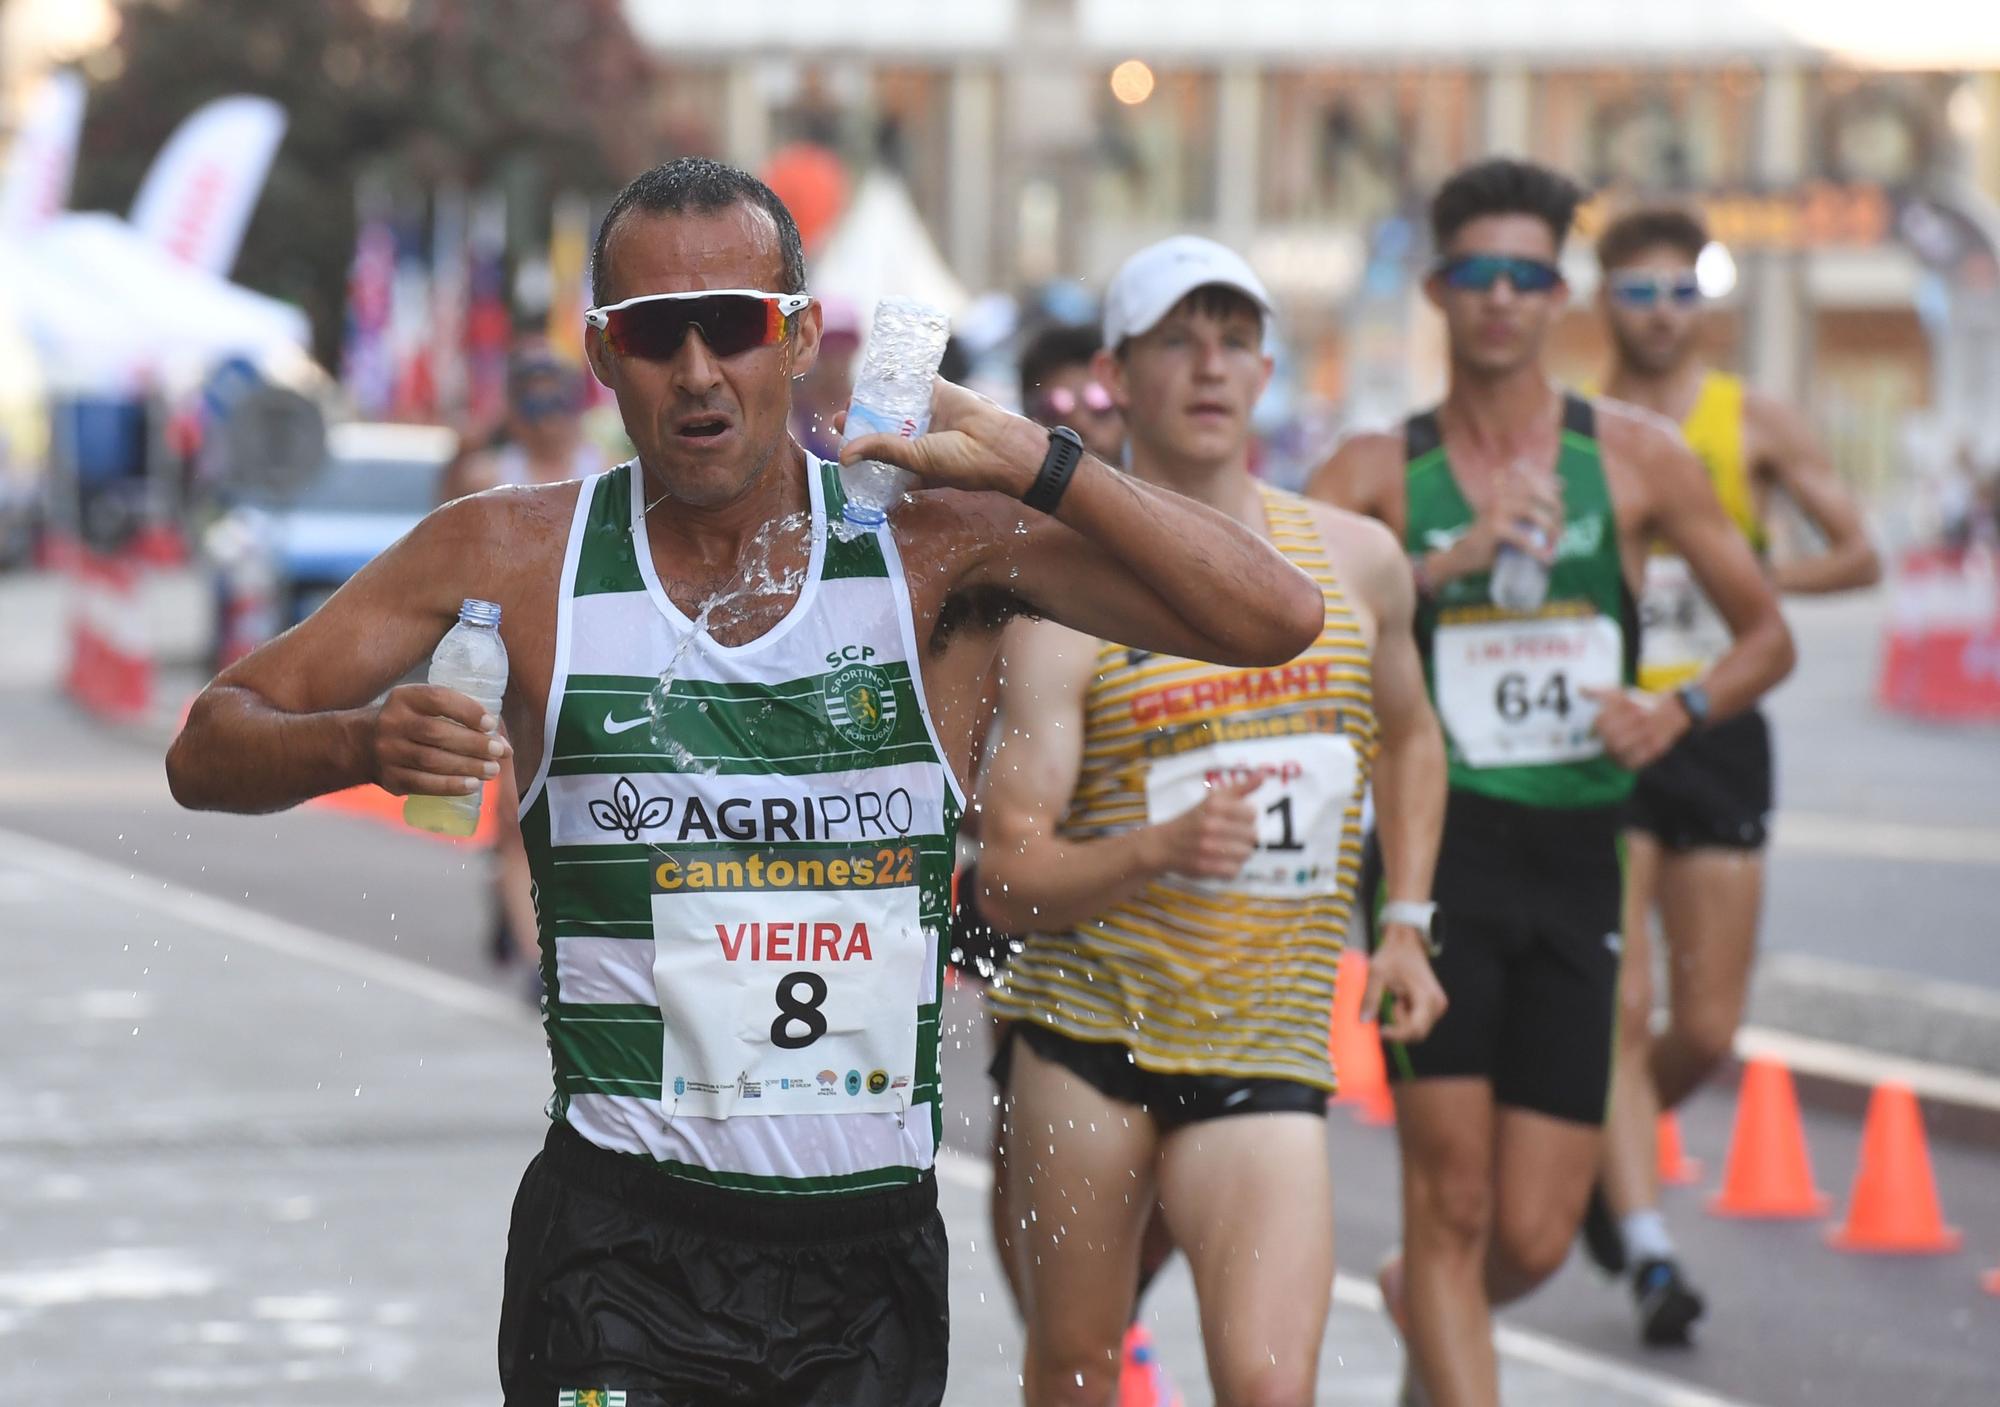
column 1173, row 1101
column 1529, row 903
column 1711, row 791
column 679, row 1295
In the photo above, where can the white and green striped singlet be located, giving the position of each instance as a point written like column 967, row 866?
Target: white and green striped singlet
column 741, row 881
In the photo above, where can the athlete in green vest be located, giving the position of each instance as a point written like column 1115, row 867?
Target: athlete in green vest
column 738, row 737
column 1501, row 1110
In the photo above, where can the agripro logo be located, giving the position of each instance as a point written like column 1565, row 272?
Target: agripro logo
column 626, row 814
column 860, row 701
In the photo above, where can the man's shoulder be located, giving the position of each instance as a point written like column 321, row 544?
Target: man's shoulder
column 1349, row 534
column 1633, row 437
column 1364, row 463
column 505, row 522
column 1773, row 428
column 1366, row 555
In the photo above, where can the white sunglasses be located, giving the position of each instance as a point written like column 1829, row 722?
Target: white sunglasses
column 652, row 326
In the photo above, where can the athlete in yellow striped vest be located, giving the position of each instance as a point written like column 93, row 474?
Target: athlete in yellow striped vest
column 1180, row 843
column 1696, row 832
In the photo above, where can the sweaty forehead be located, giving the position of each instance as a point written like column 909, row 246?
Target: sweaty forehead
column 1514, row 233
column 678, row 251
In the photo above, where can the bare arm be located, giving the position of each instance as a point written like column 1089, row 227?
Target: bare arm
column 1032, row 877
column 1688, row 515
column 1409, row 775
column 1789, row 450
column 1120, row 560
column 1408, row 781
column 1681, row 507
column 297, row 717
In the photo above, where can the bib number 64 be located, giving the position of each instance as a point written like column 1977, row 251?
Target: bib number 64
column 806, row 1013
column 1516, row 698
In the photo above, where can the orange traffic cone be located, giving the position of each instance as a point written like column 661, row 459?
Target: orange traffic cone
column 1355, row 1046
column 1677, row 1169
column 1991, row 1282
column 1768, row 1173
column 1894, row 1205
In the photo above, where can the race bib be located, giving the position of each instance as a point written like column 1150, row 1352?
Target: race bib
column 1510, row 692
column 1308, row 782
column 788, row 980
column 1680, row 631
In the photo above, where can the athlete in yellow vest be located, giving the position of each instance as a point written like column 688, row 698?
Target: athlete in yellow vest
column 1698, row 816
column 1179, row 845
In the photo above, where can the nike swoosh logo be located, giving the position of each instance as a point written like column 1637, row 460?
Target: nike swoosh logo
column 1235, row 1097
column 614, row 726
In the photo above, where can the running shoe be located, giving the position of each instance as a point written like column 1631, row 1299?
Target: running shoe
column 1668, row 1304
column 1602, row 1239
column 1142, row 1381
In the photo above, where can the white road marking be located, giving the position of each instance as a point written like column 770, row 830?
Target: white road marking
column 1855, row 979
column 1814, row 833
column 1830, row 1060
column 251, row 926
column 1358, row 1292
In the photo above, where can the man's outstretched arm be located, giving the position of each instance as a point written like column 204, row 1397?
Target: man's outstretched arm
column 1119, row 559
column 298, row 717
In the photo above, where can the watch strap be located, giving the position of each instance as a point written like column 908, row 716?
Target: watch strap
column 1058, row 466
column 1412, row 913
column 1694, row 699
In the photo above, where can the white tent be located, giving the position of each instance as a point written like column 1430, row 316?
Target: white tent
column 110, row 312
column 881, row 248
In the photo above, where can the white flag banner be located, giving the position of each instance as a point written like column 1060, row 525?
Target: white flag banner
column 196, row 200
column 36, row 186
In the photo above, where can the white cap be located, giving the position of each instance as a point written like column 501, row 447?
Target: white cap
column 1149, row 283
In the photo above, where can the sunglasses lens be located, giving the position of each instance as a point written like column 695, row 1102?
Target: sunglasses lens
column 1475, row 274
column 1532, row 277
column 1648, row 291
column 729, row 324
column 1096, row 398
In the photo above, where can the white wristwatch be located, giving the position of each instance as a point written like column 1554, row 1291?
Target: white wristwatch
column 1412, row 914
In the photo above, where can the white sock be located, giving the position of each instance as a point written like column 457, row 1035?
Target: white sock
column 1646, row 1236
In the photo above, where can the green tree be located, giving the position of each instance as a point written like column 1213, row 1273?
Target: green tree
column 538, row 94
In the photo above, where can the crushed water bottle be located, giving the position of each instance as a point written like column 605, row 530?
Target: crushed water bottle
column 471, row 659
column 1520, row 580
column 891, row 396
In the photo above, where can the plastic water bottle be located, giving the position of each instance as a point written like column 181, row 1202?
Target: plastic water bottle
column 472, row 660
column 891, row 396
column 1520, row 580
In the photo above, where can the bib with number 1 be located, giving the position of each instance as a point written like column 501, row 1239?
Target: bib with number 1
column 1306, row 783
column 1510, row 691
column 780, row 999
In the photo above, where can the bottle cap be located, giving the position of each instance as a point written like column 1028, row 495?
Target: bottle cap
column 473, row 611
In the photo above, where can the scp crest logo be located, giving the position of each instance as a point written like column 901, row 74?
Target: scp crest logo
column 861, row 705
